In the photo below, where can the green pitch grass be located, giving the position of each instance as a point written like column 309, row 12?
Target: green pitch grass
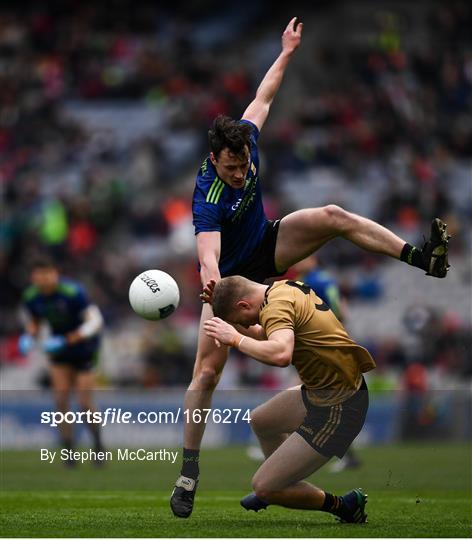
column 414, row 491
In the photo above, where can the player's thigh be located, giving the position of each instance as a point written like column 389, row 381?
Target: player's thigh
column 210, row 358
column 294, row 460
column 281, row 414
column 300, row 234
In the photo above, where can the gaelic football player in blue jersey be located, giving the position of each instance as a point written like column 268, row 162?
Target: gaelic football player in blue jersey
column 72, row 347
column 235, row 237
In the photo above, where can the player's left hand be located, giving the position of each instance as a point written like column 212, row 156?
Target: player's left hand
column 292, row 35
column 207, row 293
column 54, row 344
column 220, row 331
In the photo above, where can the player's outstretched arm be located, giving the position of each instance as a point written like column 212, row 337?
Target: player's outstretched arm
column 258, row 109
column 208, row 249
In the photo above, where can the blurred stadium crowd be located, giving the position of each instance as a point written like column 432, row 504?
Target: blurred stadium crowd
column 104, row 110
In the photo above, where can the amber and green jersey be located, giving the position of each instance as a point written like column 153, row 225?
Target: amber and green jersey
column 330, row 364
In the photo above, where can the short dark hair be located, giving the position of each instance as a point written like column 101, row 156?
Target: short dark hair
column 227, row 292
column 229, row 133
column 42, row 262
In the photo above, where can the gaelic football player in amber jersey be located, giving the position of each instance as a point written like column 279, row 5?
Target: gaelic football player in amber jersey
column 302, row 428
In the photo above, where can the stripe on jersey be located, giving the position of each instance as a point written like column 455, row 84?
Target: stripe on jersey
column 215, row 191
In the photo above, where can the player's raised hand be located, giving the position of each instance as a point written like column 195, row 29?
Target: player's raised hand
column 292, row 35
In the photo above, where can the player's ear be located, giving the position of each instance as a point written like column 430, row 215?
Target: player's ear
column 243, row 305
column 212, row 158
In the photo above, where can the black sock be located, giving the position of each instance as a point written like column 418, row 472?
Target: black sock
column 67, row 443
column 96, row 434
column 190, row 460
column 332, row 504
column 412, row 256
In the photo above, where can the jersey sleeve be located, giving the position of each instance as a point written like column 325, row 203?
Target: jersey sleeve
column 30, row 309
column 81, row 299
column 279, row 312
column 206, row 217
column 254, row 132
column 29, row 301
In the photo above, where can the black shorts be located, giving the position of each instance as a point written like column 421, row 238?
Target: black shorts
column 330, row 430
column 260, row 265
column 82, row 363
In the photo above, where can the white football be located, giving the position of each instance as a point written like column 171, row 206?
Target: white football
column 154, row 295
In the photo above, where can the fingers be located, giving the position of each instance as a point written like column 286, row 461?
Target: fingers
column 211, row 330
column 210, row 326
column 214, row 328
column 205, row 298
column 207, row 292
column 210, row 286
column 295, row 25
column 291, row 24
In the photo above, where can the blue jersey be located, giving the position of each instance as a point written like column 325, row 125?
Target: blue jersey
column 325, row 287
column 62, row 310
column 237, row 213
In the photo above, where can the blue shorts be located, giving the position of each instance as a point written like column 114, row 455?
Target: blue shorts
column 86, row 362
column 260, row 265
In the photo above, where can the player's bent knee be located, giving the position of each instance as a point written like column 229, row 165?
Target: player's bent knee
column 206, row 378
column 259, row 423
column 339, row 219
